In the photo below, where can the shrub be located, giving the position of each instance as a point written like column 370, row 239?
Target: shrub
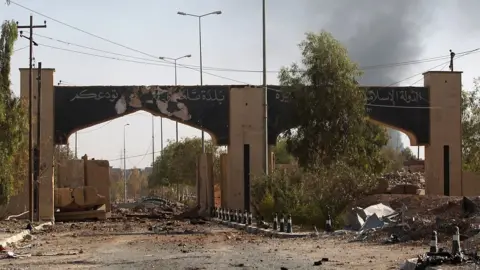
column 310, row 195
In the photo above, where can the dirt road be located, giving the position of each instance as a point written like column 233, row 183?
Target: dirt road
column 207, row 246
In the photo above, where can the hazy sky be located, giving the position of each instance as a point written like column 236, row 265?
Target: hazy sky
column 375, row 32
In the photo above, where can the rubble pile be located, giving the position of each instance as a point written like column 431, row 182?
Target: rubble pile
column 441, row 257
column 413, row 218
column 405, row 178
column 401, row 182
column 150, row 207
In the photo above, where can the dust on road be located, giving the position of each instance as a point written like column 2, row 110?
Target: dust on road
column 198, row 247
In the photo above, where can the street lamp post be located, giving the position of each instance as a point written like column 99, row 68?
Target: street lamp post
column 200, row 44
column 124, row 164
column 175, row 63
column 265, row 88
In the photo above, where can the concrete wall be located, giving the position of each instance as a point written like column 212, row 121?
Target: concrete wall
column 70, row 173
column 445, row 129
column 98, row 176
column 77, row 173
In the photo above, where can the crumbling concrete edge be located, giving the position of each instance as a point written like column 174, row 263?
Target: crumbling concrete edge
column 19, row 236
column 267, row 232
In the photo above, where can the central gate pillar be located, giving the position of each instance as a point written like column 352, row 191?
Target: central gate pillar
column 246, row 148
column 443, row 156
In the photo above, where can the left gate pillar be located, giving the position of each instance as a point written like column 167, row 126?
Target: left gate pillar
column 47, row 116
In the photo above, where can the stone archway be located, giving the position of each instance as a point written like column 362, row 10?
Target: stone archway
column 233, row 115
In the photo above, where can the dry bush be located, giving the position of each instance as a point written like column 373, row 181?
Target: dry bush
column 310, row 195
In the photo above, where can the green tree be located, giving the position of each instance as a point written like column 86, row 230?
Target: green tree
column 282, row 156
column 330, row 108
column 471, row 128
column 177, row 163
column 13, row 124
column 136, row 183
column 61, row 154
column 407, row 154
column 116, row 186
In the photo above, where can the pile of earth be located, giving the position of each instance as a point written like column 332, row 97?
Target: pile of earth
column 400, row 182
column 152, row 206
column 424, row 214
column 405, row 178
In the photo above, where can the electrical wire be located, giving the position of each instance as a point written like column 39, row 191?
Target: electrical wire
column 135, row 156
column 378, row 66
column 146, row 151
column 21, row 48
column 430, row 69
column 222, row 77
column 444, row 65
column 138, row 62
column 100, row 127
column 80, row 30
column 181, row 65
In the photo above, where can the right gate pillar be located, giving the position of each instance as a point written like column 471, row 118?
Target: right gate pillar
column 443, row 156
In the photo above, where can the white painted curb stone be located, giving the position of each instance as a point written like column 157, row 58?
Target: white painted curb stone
column 19, row 236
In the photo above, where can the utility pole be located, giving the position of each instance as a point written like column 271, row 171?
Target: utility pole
column 153, row 140
column 125, row 164
column 76, row 145
column 37, row 148
column 265, row 88
column 31, row 26
column 161, row 136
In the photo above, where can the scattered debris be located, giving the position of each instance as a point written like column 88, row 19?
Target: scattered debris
column 372, row 217
column 404, row 177
column 320, row 262
column 150, row 208
column 16, row 216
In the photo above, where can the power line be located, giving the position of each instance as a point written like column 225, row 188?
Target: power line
column 222, row 77
column 138, row 62
column 136, row 156
column 80, row 30
column 216, row 69
column 100, row 127
column 378, row 66
column 444, row 65
column 21, row 48
column 189, row 67
column 133, row 61
column 181, row 65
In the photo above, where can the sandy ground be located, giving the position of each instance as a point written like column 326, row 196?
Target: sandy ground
column 126, row 242
column 206, row 246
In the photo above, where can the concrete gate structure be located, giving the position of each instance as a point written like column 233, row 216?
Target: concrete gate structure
column 233, row 116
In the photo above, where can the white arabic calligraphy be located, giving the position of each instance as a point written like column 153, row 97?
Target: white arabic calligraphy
column 204, row 95
column 111, row 95
column 395, row 96
column 158, row 93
